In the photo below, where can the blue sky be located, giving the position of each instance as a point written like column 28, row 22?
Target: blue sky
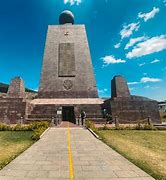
column 126, row 37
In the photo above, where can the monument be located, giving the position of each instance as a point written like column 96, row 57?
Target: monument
column 127, row 108
column 67, row 85
column 13, row 107
column 67, row 80
column 67, row 68
column 16, row 88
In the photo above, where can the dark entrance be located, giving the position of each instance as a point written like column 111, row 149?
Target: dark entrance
column 68, row 114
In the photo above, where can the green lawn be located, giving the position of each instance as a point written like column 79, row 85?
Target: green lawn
column 147, row 149
column 12, row 143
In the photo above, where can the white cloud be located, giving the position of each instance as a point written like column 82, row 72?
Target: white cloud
column 148, row 79
column 133, row 83
column 145, row 80
column 155, row 61
column 133, row 41
column 117, row 46
column 141, row 64
column 152, row 62
column 149, row 15
column 131, row 89
column 111, row 60
column 164, row 1
column 73, row 2
column 35, row 89
column 129, row 29
column 147, row 87
column 152, row 45
column 151, row 87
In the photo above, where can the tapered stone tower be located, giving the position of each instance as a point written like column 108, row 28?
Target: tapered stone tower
column 119, row 87
column 67, row 68
column 67, row 84
column 16, row 88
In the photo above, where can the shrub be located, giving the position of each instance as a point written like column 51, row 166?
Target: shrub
column 5, row 127
column 120, row 127
column 149, row 127
column 37, row 133
column 37, row 127
column 18, row 127
column 105, row 127
column 90, row 124
column 140, row 126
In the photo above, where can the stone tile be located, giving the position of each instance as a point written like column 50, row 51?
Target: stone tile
column 37, row 174
column 14, row 178
column 14, row 173
column 58, row 174
column 127, row 174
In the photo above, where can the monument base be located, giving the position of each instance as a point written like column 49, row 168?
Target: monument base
column 130, row 110
column 66, row 109
column 12, row 110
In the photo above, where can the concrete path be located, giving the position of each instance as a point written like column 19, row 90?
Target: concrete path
column 63, row 153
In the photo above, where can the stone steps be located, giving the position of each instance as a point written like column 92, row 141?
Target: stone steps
column 31, row 116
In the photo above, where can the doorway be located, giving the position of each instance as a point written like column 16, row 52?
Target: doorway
column 68, row 114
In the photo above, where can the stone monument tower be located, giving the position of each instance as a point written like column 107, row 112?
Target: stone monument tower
column 67, row 84
column 119, row 87
column 67, row 68
column 16, row 88
column 128, row 108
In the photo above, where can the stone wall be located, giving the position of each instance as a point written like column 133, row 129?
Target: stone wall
column 47, row 111
column 11, row 110
column 132, row 109
column 127, row 108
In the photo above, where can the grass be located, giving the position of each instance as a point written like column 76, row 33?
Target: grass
column 146, row 149
column 12, row 143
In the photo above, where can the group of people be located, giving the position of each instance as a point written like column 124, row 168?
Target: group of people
column 81, row 116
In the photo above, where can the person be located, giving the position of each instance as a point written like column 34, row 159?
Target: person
column 77, row 116
column 107, row 116
column 83, row 116
column 104, row 113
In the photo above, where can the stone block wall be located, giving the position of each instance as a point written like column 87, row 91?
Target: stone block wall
column 130, row 110
column 11, row 110
column 47, row 111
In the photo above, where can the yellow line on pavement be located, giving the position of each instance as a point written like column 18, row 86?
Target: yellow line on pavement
column 70, row 156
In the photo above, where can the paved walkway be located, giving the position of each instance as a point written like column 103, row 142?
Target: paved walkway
column 62, row 153
column 65, row 124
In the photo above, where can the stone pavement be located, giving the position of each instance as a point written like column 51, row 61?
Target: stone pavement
column 91, row 159
column 65, row 124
